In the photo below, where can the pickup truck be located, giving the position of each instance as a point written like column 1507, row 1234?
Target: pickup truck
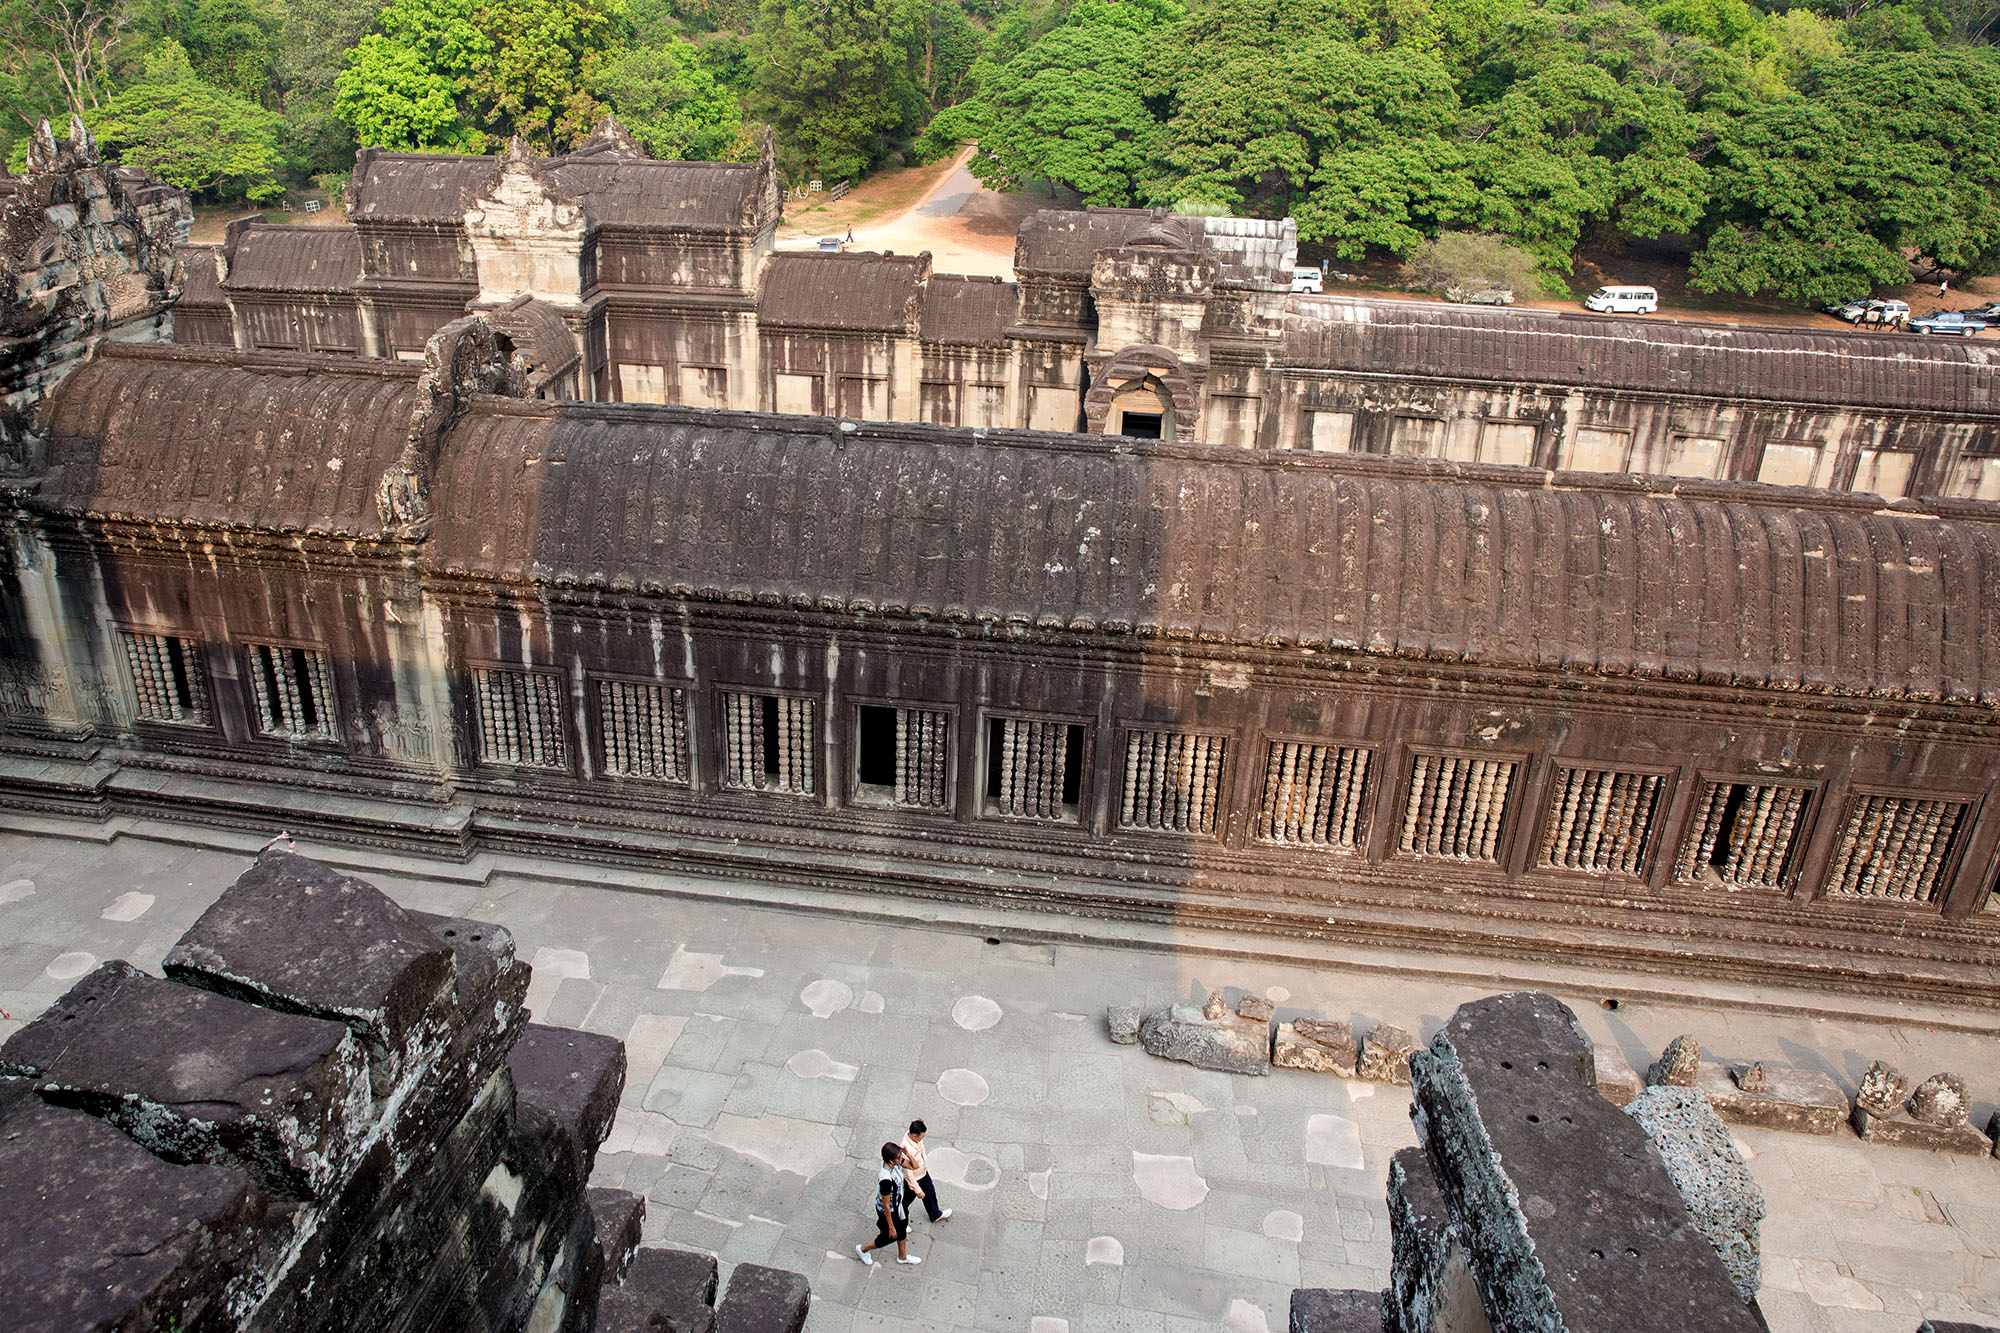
column 1949, row 321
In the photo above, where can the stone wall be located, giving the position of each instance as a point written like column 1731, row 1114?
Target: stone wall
column 331, row 1113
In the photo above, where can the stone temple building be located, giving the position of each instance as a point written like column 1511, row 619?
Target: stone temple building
column 624, row 279
column 1670, row 722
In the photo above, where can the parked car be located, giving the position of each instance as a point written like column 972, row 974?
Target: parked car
column 831, row 245
column 1989, row 312
column 1307, row 280
column 1480, row 294
column 1869, row 311
column 1949, row 321
column 1623, row 300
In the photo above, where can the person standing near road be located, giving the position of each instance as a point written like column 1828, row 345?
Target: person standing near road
column 892, row 1209
column 920, row 1172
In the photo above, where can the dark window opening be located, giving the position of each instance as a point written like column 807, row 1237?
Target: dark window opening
column 875, row 748
column 769, row 705
column 1142, row 425
column 1732, row 807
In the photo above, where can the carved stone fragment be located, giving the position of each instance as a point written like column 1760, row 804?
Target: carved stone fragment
column 1753, row 1077
column 1385, row 1055
column 1677, row 1065
column 1256, row 1008
column 1321, row 1045
column 1882, row 1090
column 1216, row 1007
column 1123, row 1022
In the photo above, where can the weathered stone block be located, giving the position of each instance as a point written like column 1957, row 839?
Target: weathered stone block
column 199, row 1077
column 1420, row 1238
column 491, row 983
column 1617, row 1081
column 571, row 1081
column 1726, row 1202
column 1319, row 1310
column 1122, row 1020
column 763, row 1300
column 1802, row 1101
column 617, row 1215
column 96, row 1232
column 1903, row 1130
column 1324, row 1048
column 1678, row 1066
column 1570, row 1218
column 296, row 935
column 1940, row 1100
column 1180, row 1032
column 674, row 1279
column 1385, row 1055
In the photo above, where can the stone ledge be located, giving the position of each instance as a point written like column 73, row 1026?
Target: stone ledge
column 1905, row 1132
column 1802, row 1101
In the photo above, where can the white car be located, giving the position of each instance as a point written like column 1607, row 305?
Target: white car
column 1623, row 300
column 1307, row 280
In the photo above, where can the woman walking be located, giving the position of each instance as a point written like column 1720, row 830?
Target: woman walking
column 892, row 1209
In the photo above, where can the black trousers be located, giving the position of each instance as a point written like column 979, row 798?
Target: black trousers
column 930, row 1196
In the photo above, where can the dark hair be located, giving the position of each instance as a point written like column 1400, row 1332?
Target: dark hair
column 891, row 1153
column 917, row 1127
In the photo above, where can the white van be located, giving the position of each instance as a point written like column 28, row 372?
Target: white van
column 1623, row 300
column 1306, row 280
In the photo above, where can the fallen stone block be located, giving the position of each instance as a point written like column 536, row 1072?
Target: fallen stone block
column 1900, row 1129
column 198, row 1077
column 1321, row 1310
column 1616, row 1079
column 626, row 1310
column 1256, row 1009
column 617, row 1215
column 1725, row 1201
column 295, row 935
column 96, row 1232
column 1180, row 1032
column 1122, row 1020
column 1385, row 1055
column 1323, row 1047
column 1940, row 1100
column 1802, row 1101
column 1421, row 1247
column 761, row 1299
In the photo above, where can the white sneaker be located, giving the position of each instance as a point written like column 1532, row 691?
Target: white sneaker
column 864, row 1256
column 945, row 1216
column 913, row 1259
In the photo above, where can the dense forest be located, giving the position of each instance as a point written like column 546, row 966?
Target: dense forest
column 1808, row 151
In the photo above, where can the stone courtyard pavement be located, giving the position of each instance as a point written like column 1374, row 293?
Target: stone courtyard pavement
column 774, row 1047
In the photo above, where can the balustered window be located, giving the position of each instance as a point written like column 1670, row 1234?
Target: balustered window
column 520, row 716
column 1600, row 820
column 1313, row 795
column 645, row 730
column 1034, row 770
column 902, row 756
column 1457, row 807
column 167, row 678
column 769, row 742
column 1743, row 835
column 1173, row 781
column 1895, row 849
column 293, row 690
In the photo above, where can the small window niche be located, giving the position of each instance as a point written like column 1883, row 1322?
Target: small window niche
column 902, row 757
column 1034, row 770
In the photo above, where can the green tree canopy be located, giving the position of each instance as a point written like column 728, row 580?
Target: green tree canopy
column 1083, row 105
column 839, row 80
column 190, row 133
column 669, row 100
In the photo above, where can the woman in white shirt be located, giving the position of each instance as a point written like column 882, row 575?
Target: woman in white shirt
column 892, row 1208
